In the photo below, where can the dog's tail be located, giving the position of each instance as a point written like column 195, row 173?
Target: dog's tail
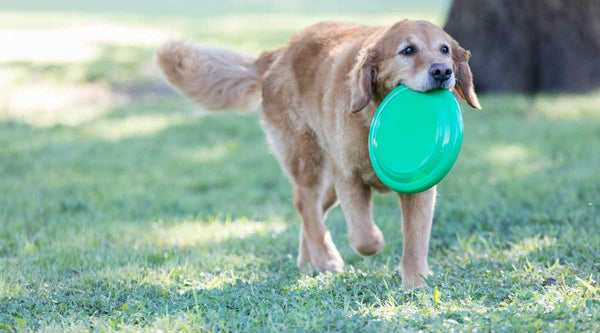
column 215, row 78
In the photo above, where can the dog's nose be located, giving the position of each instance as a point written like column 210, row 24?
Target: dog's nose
column 440, row 72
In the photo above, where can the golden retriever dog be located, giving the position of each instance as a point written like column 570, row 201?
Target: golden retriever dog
column 319, row 94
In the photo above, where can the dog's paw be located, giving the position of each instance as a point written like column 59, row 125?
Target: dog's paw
column 303, row 261
column 332, row 265
column 414, row 279
column 321, row 263
column 369, row 243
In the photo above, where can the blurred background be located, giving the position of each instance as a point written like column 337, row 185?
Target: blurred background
column 91, row 55
column 101, row 52
column 118, row 197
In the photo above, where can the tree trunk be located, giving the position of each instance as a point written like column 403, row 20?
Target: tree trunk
column 530, row 45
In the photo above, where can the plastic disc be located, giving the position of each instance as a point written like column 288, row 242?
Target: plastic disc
column 415, row 138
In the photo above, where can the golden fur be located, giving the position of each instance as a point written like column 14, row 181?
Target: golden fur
column 319, row 95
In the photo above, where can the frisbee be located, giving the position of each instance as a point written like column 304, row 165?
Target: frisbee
column 415, row 138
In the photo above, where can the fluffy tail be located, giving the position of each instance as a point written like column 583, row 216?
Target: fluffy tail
column 215, row 78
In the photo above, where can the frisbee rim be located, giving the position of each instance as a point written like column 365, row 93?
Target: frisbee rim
column 439, row 160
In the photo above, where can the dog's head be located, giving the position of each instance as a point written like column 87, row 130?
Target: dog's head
column 417, row 54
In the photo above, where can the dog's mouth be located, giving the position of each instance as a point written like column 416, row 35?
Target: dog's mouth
column 448, row 84
column 431, row 85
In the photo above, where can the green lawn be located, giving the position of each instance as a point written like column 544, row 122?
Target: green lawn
column 125, row 208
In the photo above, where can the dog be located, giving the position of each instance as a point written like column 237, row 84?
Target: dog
column 319, row 94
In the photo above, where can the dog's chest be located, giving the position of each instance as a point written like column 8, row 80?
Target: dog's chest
column 356, row 160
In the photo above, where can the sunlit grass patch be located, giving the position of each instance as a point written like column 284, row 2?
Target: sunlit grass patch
column 207, row 154
column 568, row 107
column 564, row 106
column 134, row 126
column 514, row 160
column 507, row 154
column 528, row 245
column 186, row 234
column 47, row 104
column 74, row 43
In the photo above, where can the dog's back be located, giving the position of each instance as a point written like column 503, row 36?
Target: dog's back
column 220, row 79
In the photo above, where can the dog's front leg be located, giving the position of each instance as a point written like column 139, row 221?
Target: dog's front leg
column 417, row 217
column 355, row 199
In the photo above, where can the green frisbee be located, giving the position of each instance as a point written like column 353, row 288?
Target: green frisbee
column 415, row 138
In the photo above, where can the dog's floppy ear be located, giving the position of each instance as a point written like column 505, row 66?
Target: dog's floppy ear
column 362, row 78
column 464, row 78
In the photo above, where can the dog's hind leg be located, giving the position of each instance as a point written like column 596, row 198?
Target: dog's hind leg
column 313, row 196
column 327, row 199
column 316, row 245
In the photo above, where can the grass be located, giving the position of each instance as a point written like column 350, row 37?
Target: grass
column 125, row 208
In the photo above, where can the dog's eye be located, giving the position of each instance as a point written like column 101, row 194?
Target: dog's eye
column 409, row 50
column 444, row 49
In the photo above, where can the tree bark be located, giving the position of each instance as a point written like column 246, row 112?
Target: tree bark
column 530, row 45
